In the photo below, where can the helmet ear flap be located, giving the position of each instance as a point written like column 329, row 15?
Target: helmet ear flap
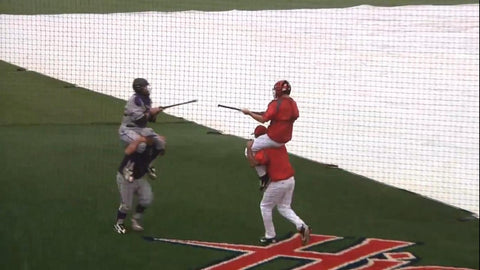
column 286, row 87
column 139, row 84
column 282, row 87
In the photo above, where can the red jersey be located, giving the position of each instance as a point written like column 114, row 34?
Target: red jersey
column 281, row 113
column 277, row 162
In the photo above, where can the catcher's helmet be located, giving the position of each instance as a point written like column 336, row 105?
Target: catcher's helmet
column 139, row 84
column 281, row 87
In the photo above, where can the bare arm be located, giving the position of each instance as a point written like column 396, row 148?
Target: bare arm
column 250, row 156
column 254, row 115
column 132, row 147
column 155, row 111
column 152, row 113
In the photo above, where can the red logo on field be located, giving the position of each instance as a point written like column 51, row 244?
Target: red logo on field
column 370, row 254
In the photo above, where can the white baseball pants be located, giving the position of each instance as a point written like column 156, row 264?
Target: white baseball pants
column 279, row 194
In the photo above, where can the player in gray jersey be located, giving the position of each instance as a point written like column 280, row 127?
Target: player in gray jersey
column 133, row 130
column 139, row 187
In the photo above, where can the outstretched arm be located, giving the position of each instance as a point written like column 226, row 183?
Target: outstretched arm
column 254, row 115
column 152, row 113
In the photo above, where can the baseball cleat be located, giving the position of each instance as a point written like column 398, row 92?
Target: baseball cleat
column 265, row 240
column 120, row 228
column 152, row 172
column 136, row 225
column 128, row 174
column 305, row 234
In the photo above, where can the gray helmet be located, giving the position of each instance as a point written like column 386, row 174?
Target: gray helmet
column 139, row 84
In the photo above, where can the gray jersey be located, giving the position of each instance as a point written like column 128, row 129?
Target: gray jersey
column 134, row 114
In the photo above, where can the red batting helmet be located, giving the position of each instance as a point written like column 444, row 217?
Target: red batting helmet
column 259, row 131
column 281, row 87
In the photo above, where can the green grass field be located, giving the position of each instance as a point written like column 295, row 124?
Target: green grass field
column 59, row 151
column 58, row 199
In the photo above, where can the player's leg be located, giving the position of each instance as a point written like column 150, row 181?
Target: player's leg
column 146, row 147
column 135, row 145
column 145, row 198
column 158, row 148
column 261, row 172
column 131, row 138
column 285, row 209
column 284, row 205
column 263, row 176
column 263, row 141
column 270, row 199
column 126, row 190
column 137, row 139
column 126, row 167
column 259, row 143
column 158, row 143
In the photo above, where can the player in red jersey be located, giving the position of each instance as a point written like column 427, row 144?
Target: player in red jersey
column 282, row 112
column 279, row 191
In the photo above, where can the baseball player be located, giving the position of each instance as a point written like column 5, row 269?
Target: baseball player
column 133, row 130
column 279, row 192
column 282, row 112
column 139, row 187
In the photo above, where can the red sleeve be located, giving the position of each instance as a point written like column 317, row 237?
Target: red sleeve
column 295, row 113
column 261, row 157
column 271, row 111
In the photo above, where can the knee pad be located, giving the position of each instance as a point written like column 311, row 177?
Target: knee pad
column 141, row 147
column 145, row 202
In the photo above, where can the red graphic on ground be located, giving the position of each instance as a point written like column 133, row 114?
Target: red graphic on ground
column 370, row 254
